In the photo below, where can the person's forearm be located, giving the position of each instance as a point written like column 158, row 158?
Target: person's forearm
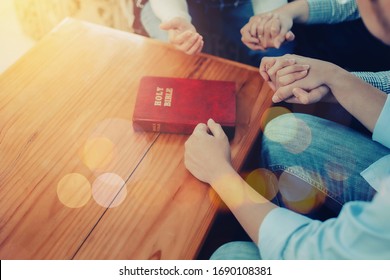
column 248, row 206
column 380, row 80
column 168, row 9
column 319, row 11
column 359, row 98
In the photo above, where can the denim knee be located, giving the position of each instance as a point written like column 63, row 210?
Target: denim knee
column 238, row 250
column 324, row 154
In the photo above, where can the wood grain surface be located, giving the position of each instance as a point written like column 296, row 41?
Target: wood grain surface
column 76, row 181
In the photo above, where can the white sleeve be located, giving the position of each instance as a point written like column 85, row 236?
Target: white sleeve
column 381, row 131
column 168, row 9
column 360, row 232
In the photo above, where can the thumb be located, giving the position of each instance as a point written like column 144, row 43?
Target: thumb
column 170, row 24
column 302, row 95
column 215, row 128
column 290, row 36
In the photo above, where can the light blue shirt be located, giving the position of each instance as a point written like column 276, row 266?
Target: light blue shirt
column 332, row 11
column 361, row 231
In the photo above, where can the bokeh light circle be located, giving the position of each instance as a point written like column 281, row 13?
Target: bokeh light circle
column 342, row 163
column 272, row 113
column 274, row 132
column 74, row 190
column 302, row 137
column 263, row 182
column 109, row 190
column 234, row 195
column 297, row 194
column 97, row 153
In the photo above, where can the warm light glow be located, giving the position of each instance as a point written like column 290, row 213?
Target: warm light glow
column 74, row 190
column 216, row 200
column 291, row 132
column 335, row 170
column 302, row 139
column 98, row 153
column 233, row 190
column 272, row 113
column 297, row 194
column 14, row 41
column 263, row 182
column 109, row 190
column 274, row 131
column 305, row 206
column 111, row 142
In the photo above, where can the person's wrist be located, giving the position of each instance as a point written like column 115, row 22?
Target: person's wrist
column 224, row 171
column 185, row 22
column 298, row 11
column 335, row 78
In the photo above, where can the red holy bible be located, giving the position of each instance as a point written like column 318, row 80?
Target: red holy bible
column 177, row 105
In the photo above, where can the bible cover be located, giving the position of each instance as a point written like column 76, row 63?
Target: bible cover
column 177, row 105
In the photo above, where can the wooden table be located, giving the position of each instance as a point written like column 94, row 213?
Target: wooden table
column 76, row 182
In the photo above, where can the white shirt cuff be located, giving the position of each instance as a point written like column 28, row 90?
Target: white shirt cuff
column 381, row 132
column 378, row 173
column 276, row 230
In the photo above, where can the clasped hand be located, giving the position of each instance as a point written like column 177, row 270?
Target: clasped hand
column 296, row 79
column 268, row 30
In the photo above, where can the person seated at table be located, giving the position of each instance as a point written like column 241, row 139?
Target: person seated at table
column 348, row 167
column 330, row 30
column 211, row 26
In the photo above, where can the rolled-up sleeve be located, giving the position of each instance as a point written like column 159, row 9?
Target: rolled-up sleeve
column 361, row 231
column 380, row 80
column 276, row 230
column 381, row 132
column 332, row 11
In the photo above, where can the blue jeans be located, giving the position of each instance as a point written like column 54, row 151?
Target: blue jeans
column 239, row 250
column 316, row 160
column 220, row 27
column 320, row 159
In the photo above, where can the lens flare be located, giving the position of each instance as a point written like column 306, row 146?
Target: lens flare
column 234, row 192
column 297, row 194
column 263, row 182
column 272, row 113
column 216, row 200
column 109, row 190
column 97, row 153
column 291, row 132
column 111, row 146
column 342, row 163
column 276, row 131
column 74, row 190
column 302, row 139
